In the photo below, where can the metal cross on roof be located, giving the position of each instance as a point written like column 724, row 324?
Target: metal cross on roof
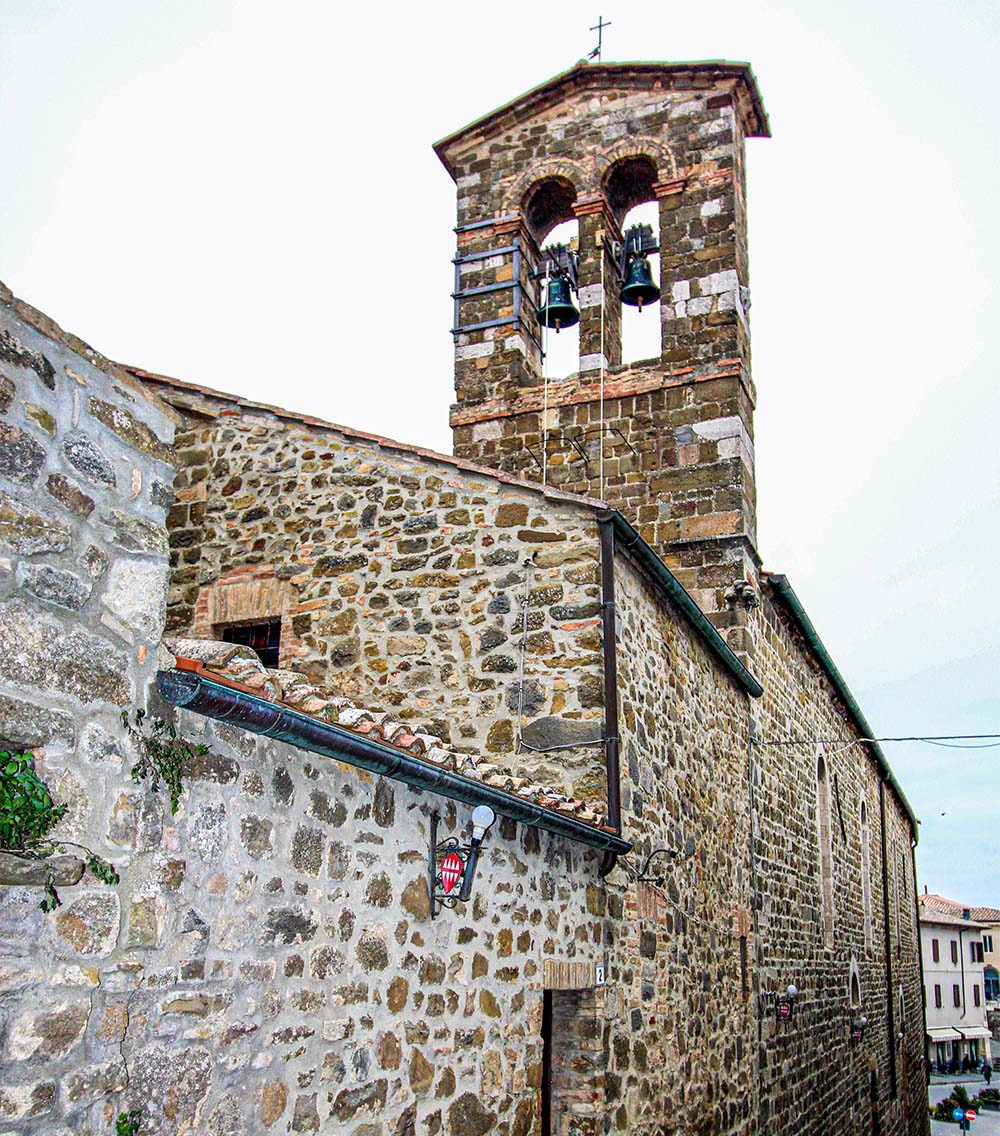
column 599, row 28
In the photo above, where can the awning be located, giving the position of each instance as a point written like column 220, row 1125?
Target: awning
column 970, row 1032
column 944, row 1033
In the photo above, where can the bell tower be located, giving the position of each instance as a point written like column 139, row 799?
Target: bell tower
column 668, row 440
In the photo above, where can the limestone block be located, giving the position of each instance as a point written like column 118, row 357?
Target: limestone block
column 52, row 1032
column 20, row 872
column 136, row 593
column 27, row 532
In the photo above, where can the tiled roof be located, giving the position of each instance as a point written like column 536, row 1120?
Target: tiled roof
column 235, row 665
column 944, row 906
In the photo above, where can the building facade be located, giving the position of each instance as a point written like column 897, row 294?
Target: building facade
column 956, row 944
column 679, row 842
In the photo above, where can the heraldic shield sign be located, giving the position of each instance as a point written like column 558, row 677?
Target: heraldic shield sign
column 451, row 866
column 447, row 865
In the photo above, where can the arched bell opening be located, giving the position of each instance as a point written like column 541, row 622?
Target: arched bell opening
column 642, row 337
column 629, row 183
column 559, row 304
column 548, row 203
column 548, row 213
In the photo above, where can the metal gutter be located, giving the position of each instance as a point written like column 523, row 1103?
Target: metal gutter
column 191, row 691
column 646, row 558
column 609, row 647
column 791, row 600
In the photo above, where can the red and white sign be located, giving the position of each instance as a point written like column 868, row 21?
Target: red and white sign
column 970, row 1114
column 451, row 870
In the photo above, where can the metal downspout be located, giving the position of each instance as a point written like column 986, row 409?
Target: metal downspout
column 920, row 951
column 888, row 943
column 609, row 646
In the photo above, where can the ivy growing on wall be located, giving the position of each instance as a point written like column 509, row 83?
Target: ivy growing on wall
column 164, row 756
column 27, row 816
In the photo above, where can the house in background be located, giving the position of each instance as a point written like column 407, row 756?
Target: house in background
column 953, row 944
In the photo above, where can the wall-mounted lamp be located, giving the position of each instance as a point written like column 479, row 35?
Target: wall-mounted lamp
column 644, row 876
column 451, row 865
column 858, row 1025
column 784, row 1004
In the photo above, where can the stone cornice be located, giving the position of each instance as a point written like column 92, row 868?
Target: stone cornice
column 576, row 391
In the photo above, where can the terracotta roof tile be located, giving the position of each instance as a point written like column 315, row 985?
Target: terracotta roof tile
column 943, row 906
column 233, row 664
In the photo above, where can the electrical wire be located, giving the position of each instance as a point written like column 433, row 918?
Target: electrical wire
column 933, row 739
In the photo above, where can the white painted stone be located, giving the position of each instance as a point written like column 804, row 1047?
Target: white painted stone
column 515, row 343
column 487, row 431
column 474, row 351
column 718, row 282
column 711, row 208
column 136, row 595
column 690, row 107
column 468, row 181
column 593, row 362
column 591, row 296
column 699, row 306
column 716, row 126
column 681, row 290
column 716, row 428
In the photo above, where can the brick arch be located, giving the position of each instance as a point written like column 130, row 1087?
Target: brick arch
column 576, row 173
column 658, row 153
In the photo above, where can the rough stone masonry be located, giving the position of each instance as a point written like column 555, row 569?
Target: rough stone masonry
column 268, row 962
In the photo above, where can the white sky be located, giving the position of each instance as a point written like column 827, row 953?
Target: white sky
column 244, row 195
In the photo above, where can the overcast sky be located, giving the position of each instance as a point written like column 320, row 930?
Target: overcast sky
column 244, row 195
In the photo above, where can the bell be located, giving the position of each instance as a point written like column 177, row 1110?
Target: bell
column 639, row 288
column 558, row 310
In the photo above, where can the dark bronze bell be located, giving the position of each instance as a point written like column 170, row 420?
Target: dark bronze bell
column 557, row 311
column 639, row 288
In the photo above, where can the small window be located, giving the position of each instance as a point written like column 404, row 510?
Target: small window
column 935, row 950
column 937, row 996
column 975, row 994
column 264, row 637
column 866, row 875
column 954, row 951
column 988, row 944
column 956, row 994
column 976, row 952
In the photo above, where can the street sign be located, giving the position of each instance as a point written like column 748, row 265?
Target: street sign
column 970, row 1114
column 451, row 870
column 958, row 1114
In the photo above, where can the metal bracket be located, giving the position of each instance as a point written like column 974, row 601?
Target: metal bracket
column 439, row 897
column 636, row 242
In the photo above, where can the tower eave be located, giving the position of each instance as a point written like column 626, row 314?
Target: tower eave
column 596, row 76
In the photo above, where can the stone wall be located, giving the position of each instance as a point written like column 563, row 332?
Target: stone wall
column 399, row 579
column 798, row 707
column 85, row 482
column 683, row 790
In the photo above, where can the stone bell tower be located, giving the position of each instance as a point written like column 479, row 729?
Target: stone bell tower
column 668, row 441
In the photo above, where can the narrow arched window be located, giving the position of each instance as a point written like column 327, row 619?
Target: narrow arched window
column 866, row 875
column 824, row 835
